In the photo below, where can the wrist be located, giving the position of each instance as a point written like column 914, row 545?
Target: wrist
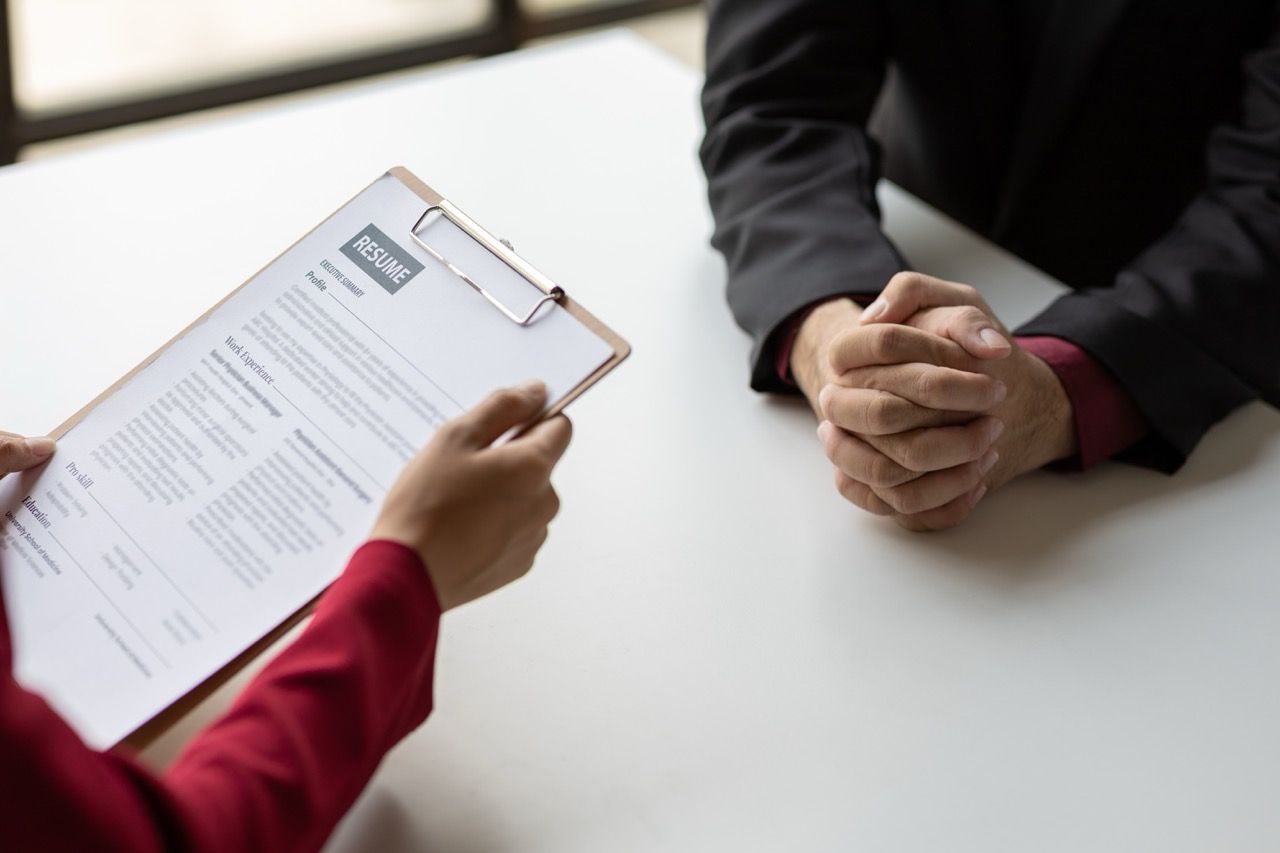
column 810, row 362
column 406, row 535
column 1057, row 424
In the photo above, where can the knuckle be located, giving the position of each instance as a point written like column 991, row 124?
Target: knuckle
column 880, row 414
column 892, row 498
column 915, row 455
column 829, row 401
column 858, row 377
column 831, row 444
column 547, row 455
column 885, row 341
column 897, row 498
column 908, row 522
column 976, row 441
column 526, row 470
column 884, row 472
column 968, row 476
column 906, row 281
column 949, row 516
column 451, row 430
column 843, row 337
column 12, row 453
column 526, row 563
column 534, row 467
column 930, row 384
column 852, row 491
column 878, row 379
column 844, row 485
column 552, row 508
column 844, row 455
column 988, row 386
column 841, row 455
column 841, row 348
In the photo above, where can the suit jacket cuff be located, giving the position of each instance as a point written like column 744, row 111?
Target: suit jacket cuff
column 1179, row 390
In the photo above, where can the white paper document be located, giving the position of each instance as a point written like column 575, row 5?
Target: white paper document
column 226, row 484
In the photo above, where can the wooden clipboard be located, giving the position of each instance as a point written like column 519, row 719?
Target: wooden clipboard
column 547, row 293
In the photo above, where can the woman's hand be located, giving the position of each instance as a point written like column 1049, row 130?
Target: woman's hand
column 478, row 514
column 19, row 454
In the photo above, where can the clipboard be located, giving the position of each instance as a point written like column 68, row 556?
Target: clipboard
column 542, row 294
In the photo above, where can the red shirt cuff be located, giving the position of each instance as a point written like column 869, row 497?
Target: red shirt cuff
column 782, row 363
column 1107, row 421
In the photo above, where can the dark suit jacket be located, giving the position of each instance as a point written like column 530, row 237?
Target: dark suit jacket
column 1132, row 151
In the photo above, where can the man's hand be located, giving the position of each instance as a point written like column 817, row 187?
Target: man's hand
column 927, row 403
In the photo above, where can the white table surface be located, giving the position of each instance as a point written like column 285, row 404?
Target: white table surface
column 714, row 651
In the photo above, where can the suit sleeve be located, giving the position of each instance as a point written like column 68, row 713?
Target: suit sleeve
column 791, row 170
column 277, row 772
column 1189, row 329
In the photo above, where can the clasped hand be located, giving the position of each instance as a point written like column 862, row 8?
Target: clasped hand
column 926, row 402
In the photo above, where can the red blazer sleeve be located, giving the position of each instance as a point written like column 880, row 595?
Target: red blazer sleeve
column 276, row 772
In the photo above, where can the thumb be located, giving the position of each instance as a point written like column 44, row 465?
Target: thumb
column 500, row 411
column 550, row 437
column 968, row 326
column 18, row 453
column 909, row 292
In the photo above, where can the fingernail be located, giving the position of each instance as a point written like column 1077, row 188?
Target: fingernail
column 976, row 495
column 824, row 396
column 40, row 445
column 874, row 310
column 989, row 461
column 824, row 430
column 533, row 387
column 1002, row 391
column 994, row 429
column 993, row 339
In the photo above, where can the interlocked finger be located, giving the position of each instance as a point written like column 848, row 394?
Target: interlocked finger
column 860, row 495
column 939, row 448
column 882, row 343
column 931, row 491
column 908, row 292
column 931, row 386
column 860, row 461
column 943, row 517
column 873, row 412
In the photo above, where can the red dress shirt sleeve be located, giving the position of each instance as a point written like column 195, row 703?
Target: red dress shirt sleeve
column 1107, row 421
column 276, row 772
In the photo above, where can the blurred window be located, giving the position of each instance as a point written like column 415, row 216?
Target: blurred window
column 73, row 53
column 546, row 7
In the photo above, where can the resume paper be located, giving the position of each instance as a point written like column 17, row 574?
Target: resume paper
column 224, row 486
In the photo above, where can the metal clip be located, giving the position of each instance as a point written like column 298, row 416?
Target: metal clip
column 502, row 249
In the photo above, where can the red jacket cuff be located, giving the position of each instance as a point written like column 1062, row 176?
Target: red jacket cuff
column 1106, row 419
